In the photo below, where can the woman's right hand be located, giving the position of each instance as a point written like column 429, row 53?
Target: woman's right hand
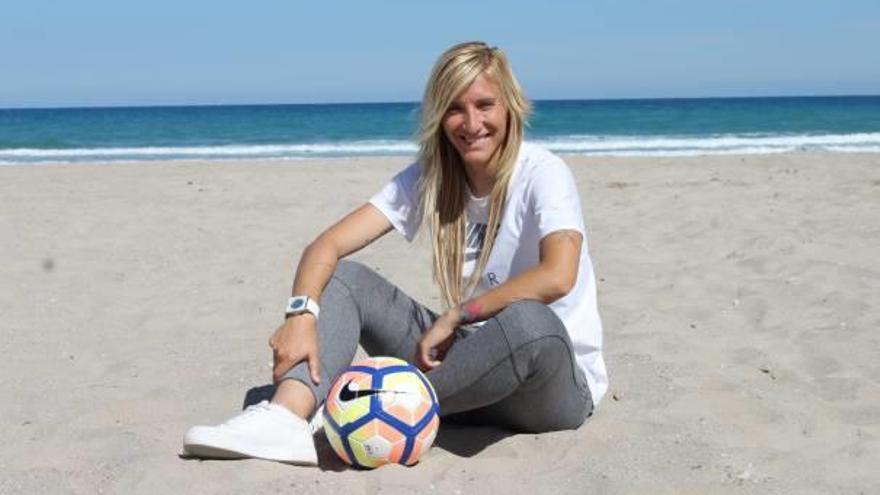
column 296, row 340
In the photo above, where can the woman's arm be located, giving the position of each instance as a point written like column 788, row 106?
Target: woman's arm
column 296, row 339
column 352, row 233
column 552, row 278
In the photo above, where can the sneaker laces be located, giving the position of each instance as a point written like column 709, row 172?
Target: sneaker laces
column 249, row 412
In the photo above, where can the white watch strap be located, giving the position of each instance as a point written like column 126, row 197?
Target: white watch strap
column 302, row 304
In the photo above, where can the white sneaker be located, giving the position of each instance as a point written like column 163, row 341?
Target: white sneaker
column 264, row 431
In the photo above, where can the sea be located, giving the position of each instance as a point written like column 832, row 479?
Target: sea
column 637, row 127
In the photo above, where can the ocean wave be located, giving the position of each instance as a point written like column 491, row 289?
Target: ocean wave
column 717, row 144
column 572, row 144
column 353, row 148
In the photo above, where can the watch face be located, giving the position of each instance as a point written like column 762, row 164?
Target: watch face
column 297, row 303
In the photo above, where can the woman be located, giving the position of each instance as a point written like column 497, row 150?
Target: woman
column 520, row 343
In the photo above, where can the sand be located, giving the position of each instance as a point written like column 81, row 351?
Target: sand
column 739, row 295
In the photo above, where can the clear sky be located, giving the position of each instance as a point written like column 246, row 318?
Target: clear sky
column 103, row 52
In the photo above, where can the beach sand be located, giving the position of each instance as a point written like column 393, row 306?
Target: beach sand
column 739, row 295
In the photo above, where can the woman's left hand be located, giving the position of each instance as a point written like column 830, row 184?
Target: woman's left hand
column 437, row 341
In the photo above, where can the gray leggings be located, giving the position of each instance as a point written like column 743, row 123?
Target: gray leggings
column 517, row 371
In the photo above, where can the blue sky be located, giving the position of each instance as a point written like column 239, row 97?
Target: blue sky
column 56, row 53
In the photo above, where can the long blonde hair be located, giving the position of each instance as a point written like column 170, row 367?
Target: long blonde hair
column 443, row 185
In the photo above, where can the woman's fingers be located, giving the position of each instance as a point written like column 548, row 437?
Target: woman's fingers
column 314, row 367
column 283, row 363
column 426, row 362
column 444, row 347
column 293, row 342
column 428, row 351
column 276, row 369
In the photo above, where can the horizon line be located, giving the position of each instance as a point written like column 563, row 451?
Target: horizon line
column 319, row 103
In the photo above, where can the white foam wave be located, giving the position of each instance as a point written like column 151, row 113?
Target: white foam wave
column 349, row 148
column 574, row 144
column 855, row 149
column 720, row 144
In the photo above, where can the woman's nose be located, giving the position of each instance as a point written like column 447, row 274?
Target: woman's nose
column 472, row 120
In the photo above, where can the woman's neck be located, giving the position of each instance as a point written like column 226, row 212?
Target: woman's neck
column 480, row 179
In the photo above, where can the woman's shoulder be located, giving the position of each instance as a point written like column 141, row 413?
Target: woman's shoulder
column 545, row 179
column 537, row 160
column 409, row 174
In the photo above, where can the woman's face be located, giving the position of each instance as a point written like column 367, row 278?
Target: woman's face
column 476, row 122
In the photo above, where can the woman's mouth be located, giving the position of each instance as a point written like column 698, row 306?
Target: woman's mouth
column 475, row 140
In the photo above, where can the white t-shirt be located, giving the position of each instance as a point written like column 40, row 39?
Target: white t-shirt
column 542, row 198
column 476, row 219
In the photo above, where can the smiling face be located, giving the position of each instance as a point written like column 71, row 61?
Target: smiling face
column 476, row 122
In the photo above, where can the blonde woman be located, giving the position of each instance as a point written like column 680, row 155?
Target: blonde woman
column 520, row 343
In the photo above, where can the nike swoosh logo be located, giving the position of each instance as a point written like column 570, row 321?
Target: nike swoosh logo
column 347, row 394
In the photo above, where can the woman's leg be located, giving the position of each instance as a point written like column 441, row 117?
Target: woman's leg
column 516, row 371
column 358, row 305
column 356, row 298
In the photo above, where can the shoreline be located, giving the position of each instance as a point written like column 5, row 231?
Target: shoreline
column 568, row 157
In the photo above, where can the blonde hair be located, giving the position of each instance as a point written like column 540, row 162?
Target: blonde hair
column 443, row 185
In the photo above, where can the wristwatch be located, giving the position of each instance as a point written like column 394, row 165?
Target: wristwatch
column 297, row 305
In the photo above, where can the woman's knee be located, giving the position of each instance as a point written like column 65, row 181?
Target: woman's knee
column 527, row 320
column 349, row 271
column 342, row 285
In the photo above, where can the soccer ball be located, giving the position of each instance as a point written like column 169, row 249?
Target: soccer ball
column 381, row 410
